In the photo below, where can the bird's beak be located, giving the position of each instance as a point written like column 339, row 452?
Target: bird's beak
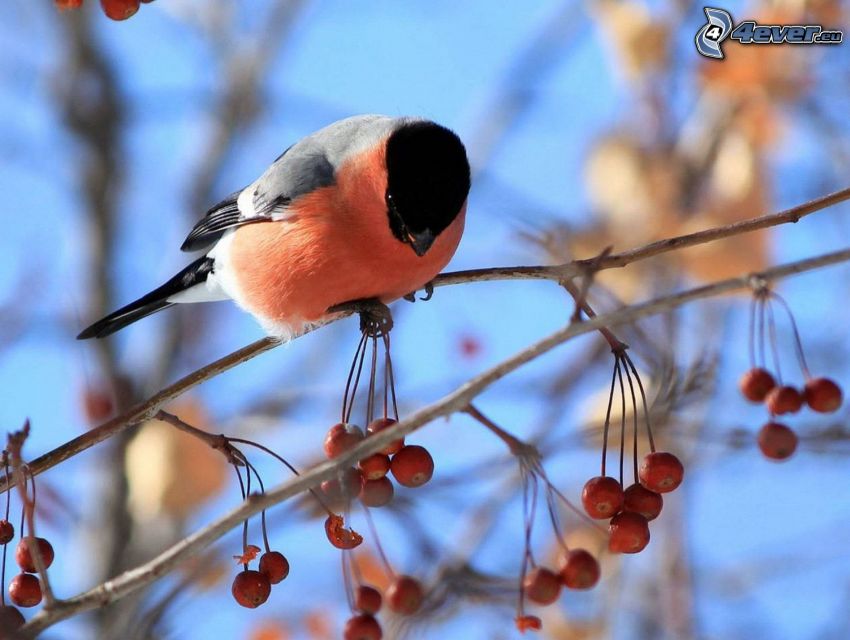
column 421, row 242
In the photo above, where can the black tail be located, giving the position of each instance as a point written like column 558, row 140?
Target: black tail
column 151, row 303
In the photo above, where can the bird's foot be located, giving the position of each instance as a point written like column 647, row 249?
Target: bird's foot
column 429, row 291
column 376, row 319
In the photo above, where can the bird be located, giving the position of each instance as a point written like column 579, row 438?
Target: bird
column 362, row 212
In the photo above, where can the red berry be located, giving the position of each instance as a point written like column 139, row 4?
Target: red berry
column 341, row 438
column 119, row 9
column 379, row 425
column 7, row 531
column 528, row 623
column 782, row 400
column 602, row 497
column 542, row 585
column 579, row 570
column 24, row 559
column 375, row 466
column 25, row 590
column 10, row 619
column 275, row 566
column 343, row 488
column 65, row 4
column 405, row 595
column 755, row 384
column 97, row 404
column 251, row 588
column 777, row 441
column 377, row 493
column 823, row 395
column 339, row 536
column 629, row 533
column 363, row 627
column 639, row 499
column 412, row 466
column 367, row 600
column 661, row 472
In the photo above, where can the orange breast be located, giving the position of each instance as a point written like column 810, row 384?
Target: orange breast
column 335, row 246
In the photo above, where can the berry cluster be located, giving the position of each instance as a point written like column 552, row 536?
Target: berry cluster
column 411, row 465
column 115, row 9
column 603, row 496
column 777, row 441
column 578, row 569
column 24, row 588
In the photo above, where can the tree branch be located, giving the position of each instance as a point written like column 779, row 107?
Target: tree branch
column 458, row 400
column 558, row 273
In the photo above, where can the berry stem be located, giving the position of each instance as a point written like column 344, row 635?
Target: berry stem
column 774, row 341
column 798, row 343
column 370, row 522
column 606, row 427
column 348, row 400
column 619, row 370
column 6, row 545
column 643, row 401
column 634, row 425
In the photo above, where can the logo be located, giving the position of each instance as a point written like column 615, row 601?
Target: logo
column 721, row 26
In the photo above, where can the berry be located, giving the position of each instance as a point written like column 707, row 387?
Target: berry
column 542, row 585
column 528, row 623
column 782, row 400
column 367, row 600
column 661, row 472
column 822, row 395
column 343, row 488
column 379, row 425
column 10, row 619
column 362, row 627
column 7, row 531
column 64, row 4
column 25, row 560
column 639, row 499
column 341, row 438
column 375, row 466
column 25, row 590
column 755, row 384
column 339, row 536
column 275, row 566
column 119, row 9
column 777, row 441
column 97, row 404
column 412, row 466
column 602, row 497
column 629, row 533
column 405, row 595
column 579, row 570
column 251, row 588
column 377, row 493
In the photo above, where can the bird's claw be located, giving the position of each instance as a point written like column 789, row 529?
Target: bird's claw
column 429, row 292
column 376, row 319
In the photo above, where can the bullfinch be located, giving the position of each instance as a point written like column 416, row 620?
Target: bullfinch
column 368, row 208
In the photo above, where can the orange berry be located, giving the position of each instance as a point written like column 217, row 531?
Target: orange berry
column 822, row 395
column 377, row 493
column 362, row 627
column 405, row 595
column 777, row 441
column 119, row 9
column 25, row 590
column 251, row 588
column 782, row 400
column 7, row 531
column 661, row 472
column 375, row 466
column 579, row 570
column 275, row 566
column 542, row 585
column 367, row 600
column 379, row 425
column 629, row 533
column 342, row 437
column 755, row 384
column 412, row 466
column 25, row 560
column 602, row 497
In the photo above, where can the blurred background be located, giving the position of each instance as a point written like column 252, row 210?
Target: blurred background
column 589, row 124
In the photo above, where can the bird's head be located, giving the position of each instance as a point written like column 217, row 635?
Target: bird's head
column 427, row 182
